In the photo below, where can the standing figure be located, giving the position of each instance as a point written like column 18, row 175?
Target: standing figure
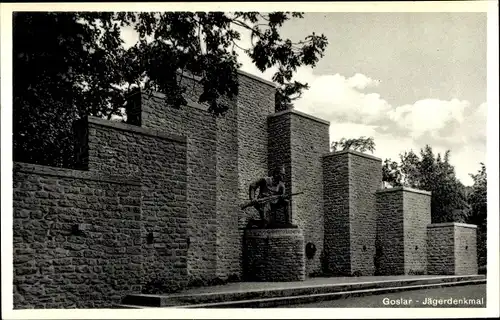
column 270, row 187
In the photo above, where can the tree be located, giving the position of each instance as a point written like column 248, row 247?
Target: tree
column 65, row 66
column 360, row 144
column 478, row 203
column 477, row 197
column 391, row 173
column 432, row 173
column 68, row 65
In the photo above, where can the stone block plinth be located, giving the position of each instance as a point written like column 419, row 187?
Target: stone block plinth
column 274, row 255
column 451, row 249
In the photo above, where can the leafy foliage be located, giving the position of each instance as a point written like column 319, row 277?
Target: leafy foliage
column 432, row 173
column 360, row 144
column 477, row 199
column 62, row 70
column 71, row 64
column 391, row 173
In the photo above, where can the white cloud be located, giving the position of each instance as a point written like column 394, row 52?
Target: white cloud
column 360, row 81
column 336, row 97
column 429, row 115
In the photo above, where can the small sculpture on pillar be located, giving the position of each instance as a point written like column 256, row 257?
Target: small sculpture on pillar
column 270, row 199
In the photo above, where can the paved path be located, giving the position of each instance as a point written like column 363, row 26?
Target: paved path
column 418, row 298
column 248, row 286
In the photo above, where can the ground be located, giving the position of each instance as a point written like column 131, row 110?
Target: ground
column 417, row 298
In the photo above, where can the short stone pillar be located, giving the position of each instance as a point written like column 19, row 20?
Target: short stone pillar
column 274, row 255
column 403, row 215
column 451, row 249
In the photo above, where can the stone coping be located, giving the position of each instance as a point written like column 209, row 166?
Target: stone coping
column 73, row 174
column 357, row 153
column 452, row 224
column 404, row 189
column 299, row 113
column 136, row 129
column 254, row 77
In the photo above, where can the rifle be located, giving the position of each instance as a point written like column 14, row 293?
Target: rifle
column 266, row 199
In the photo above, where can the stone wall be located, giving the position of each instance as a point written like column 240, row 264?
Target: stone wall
column 255, row 103
column 337, row 226
column 351, row 180
column 440, row 249
column 402, row 218
column 364, row 180
column 279, row 153
column 298, row 141
column 225, row 154
column 87, row 238
column 417, row 216
column 390, row 244
column 466, row 249
column 274, row 255
column 452, row 249
column 55, row 266
column 159, row 160
column 199, row 127
column 228, row 238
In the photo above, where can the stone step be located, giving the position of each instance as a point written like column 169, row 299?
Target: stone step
column 273, row 295
column 304, row 299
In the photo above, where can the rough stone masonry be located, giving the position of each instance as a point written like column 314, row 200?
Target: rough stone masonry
column 156, row 200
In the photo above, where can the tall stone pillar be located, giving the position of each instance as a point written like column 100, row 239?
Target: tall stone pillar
column 297, row 141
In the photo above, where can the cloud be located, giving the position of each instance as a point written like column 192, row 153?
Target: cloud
column 429, row 115
column 360, row 81
column 337, row 97
column 354, row 110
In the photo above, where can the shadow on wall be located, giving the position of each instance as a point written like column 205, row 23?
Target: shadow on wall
column 328, row 270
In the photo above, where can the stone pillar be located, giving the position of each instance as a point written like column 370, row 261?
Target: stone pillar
column 274, row 255
column 402, row 218
column 350, row 181
column 297, row 141
column 452, row 249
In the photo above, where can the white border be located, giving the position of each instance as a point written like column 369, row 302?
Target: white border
column 492, row 154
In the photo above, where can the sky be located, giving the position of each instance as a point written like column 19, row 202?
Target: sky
column 405, row 79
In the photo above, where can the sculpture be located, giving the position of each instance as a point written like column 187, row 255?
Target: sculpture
column 270, row 199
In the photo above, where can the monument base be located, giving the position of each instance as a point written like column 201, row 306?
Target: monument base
column 274, row 255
